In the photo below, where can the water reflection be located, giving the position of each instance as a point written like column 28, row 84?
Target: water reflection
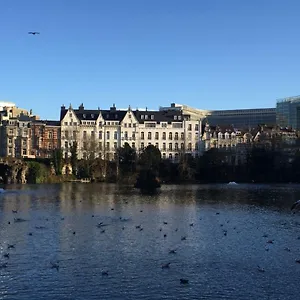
column 220, row 235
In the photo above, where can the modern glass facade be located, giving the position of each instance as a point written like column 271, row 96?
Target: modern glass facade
column 243, row 118
column 288, row 112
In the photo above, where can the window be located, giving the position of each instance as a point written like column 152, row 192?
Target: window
column 176, row 146
column 9, row 150
column 107, row 135
column 176, row 136
column 84, row 116
column 92, row 116
column 182, row 135
column 156, row 145
column 146, row 117
column 133, row 145
column 100, row 145
column 170, row 156
column 24, row 152
column 84, row 145
column 133, row 135
column 50, row 135
column 164, row 136
column 84, row 134
column 10, row 141
column 100, row 123
column 66, row 144
column 163, row 124
column 115, row 145
column 70, row 115
column 115, row 135
column 125, row 124
column 66, row 134
column 190, row 147
column 196, row 127
column 74, row 135
column 170, row 135
column 179, row 117
column 164, row 146
column 100, row 135
column 66, row 123
column 49, row 146
column 129, row 125
column 149, row 135
column 182, row 146
column 152, row 117
column 107, row 146
column 129, row 116
column 75, row 123
column 126, row 135
column 142, row 145
column 164, row 155
column 175, row 117
column 142, row 135
column 196, row 146
column 176, row 156
column 92, row 134
column 170, row 146
column 24, row 143
column 156, row 135
column 190, row 127
column 11, row 131
column 142, row 117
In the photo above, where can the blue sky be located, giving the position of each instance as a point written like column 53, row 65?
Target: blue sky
column 209, row 54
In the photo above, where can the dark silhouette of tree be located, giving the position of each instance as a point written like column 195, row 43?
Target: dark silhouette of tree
column 57, row 160
column 150, row 158
column 74, row 158
column 127, row 158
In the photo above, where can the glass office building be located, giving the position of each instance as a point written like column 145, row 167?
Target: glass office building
column 243, row 118
column 288, row 112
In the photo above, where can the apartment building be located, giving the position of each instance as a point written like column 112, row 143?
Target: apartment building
column 100, row 132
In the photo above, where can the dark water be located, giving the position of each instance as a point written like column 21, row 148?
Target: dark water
column 220, row 255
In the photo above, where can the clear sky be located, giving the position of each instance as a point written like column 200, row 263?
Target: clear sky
column 209, row 54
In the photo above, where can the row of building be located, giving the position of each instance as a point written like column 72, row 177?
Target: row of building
column 174, row 129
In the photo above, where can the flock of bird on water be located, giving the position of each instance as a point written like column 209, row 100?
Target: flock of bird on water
column 101, row 225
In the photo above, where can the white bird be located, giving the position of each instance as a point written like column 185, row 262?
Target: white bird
column 295, row 205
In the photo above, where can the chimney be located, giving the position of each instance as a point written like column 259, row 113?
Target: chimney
column 113, row 108
column 81, row 107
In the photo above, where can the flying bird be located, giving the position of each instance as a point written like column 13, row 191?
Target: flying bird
column 33, row 32
column 295, row 205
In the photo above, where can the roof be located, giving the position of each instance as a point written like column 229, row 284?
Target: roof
column 158, row 116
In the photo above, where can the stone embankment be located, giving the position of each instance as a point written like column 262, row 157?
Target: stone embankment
column 13, row 171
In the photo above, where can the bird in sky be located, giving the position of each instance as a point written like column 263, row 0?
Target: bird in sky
column 33, row 32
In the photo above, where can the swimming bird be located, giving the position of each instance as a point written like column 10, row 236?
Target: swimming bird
column 166, row 266
column 297, row 261
column 184, row 281
column 295, row 205
column 6, row 255
column 183, row 238
column 165, row 222
column 54, row 265
column 33, row 32
column 260, row 269
column 10, row 246
column 104, row 273
column 14, row 211
column 172, row 251
column 3, row 265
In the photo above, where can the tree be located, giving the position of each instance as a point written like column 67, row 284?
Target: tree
column 74, row 158
column 150, row 158
column 57, row 160
column 127, row 158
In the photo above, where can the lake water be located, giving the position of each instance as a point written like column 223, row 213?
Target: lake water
column 226, row 254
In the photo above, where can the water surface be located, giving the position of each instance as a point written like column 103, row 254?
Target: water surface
column 221, row 235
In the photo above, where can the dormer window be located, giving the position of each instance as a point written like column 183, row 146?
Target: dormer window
column 129, row 116
column 116, row 116
column 92, row 116
column 142, row 117
column 146, row 117
column 175, row 117
column 179, row 117
column 84, row 116
column 152, row 117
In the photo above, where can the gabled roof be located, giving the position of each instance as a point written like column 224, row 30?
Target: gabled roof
column 113, row 115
